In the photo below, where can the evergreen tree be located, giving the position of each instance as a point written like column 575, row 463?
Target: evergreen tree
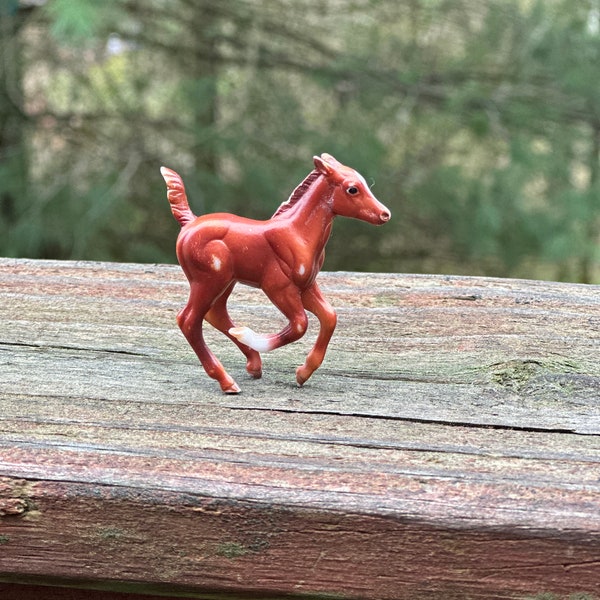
column 478, row 124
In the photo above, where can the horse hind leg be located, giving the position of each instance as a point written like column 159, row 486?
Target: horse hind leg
column 219, row 318
column 190, row 320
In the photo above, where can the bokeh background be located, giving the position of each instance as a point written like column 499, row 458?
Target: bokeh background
column 476, row 121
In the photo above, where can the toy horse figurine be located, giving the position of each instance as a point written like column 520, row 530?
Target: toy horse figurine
column 281, row 255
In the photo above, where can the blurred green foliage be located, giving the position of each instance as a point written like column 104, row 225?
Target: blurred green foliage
column 478, row 124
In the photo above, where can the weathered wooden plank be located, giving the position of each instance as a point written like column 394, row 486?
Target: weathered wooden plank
column 450, row 443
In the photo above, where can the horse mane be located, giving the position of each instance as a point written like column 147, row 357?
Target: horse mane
column 298, row 193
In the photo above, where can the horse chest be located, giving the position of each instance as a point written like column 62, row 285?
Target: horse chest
column 305, row 272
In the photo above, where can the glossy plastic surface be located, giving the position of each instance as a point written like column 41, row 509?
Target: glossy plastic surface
column 282, row 255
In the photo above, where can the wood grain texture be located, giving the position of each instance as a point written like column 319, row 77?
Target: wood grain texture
column 448, row 447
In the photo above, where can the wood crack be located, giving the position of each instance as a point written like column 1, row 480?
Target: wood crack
column 69, row 347
column 467, row 424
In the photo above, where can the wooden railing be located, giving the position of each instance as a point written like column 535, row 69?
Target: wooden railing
column 449, row 447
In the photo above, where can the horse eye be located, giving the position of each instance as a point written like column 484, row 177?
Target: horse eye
column 352, row 190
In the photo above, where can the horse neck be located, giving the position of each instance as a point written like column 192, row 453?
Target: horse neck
column 314, row 203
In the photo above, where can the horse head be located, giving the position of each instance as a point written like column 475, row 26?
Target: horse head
column 351, row 194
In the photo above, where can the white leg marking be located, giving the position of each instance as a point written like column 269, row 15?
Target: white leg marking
column 257, row 342
column 216, row 263
column 301, row 270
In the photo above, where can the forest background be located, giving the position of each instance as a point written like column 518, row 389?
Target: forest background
column 476, row 121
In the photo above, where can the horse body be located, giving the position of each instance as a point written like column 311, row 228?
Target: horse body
column 223, row 247
column 282, row 256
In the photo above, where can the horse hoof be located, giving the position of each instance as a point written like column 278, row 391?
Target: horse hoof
column 301, row 376
column 234, row 388
column 254, row 367
column 255, row 374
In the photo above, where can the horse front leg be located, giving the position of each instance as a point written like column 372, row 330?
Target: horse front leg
column 190, row 320
column 313, row 301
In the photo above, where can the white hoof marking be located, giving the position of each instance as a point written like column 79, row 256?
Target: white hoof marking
column 245, row 335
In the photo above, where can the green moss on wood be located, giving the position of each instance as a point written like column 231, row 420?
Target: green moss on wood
column 110, row 533
column 231, row 550
column 514, row 374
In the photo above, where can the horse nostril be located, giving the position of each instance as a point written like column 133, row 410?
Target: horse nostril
column 385, row 216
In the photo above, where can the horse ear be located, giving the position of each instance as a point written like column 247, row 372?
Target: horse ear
column 334, row 162
column 322, row 166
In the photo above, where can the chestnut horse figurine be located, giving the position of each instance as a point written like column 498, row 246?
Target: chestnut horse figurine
column 281, row 255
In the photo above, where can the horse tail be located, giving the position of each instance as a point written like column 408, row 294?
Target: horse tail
column 177, row 197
